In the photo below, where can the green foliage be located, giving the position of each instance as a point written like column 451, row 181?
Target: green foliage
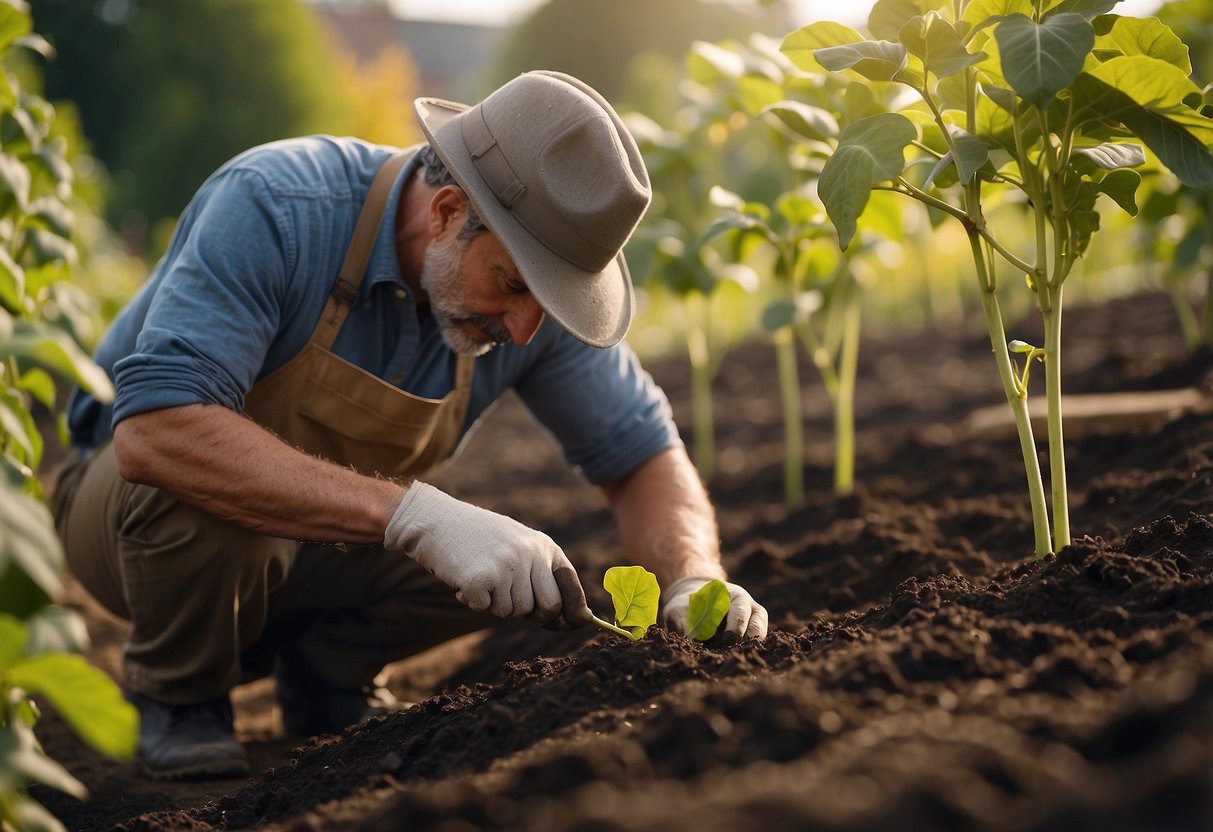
column 1019, row 102
column 870, row 151
column 167, row 91
column 708, row 607
column 37, row 249
column 636, row 595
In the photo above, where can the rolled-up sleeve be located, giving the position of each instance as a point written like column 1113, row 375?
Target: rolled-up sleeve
column 218, row 305
column 605, row 410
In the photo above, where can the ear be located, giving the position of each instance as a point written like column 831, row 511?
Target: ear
column 448, row 209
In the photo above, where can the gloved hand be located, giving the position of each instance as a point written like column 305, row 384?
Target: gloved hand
column 492, row 562
column 746, row 617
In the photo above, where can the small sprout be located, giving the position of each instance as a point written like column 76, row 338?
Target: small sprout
column 636, row 595
column 1032, row 354
column 709, row 605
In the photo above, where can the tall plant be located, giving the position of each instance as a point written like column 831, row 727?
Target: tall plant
column 1017, row 99
column 38, row 640
column 665, row 252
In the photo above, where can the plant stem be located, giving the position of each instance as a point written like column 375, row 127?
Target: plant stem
column 1057, row 458
column 789, row 391
column 699, row 350
column 1019, row 406
column 844, row 396
column 606, row 625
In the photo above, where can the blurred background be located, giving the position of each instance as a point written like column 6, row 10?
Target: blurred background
column 154, row 94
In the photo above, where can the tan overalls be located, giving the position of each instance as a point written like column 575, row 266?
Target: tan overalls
column 210, row 603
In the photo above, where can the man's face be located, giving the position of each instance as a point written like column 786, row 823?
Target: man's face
column 477, row 295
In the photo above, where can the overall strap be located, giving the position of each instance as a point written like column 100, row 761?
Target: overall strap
column 345, row 289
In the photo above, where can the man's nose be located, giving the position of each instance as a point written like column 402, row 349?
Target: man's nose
column 523, row 320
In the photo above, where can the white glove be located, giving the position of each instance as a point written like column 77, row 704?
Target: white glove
column 492, row 562
column 746, row 617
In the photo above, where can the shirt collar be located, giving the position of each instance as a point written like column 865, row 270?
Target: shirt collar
column 383, row 266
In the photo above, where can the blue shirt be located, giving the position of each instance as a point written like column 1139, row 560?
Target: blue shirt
column 246, row 276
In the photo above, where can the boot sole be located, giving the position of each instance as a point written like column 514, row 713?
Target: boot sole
column 214, row 769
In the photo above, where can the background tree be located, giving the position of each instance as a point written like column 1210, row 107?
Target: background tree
column 597, row 41
column 167, row 91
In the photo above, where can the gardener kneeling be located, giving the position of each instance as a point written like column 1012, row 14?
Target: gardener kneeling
column 329, row 321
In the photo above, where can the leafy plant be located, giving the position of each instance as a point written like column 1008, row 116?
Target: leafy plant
column 1025, row 101
column 36, row 637
column 817, row 297
column 636, row 595
column 708, row 606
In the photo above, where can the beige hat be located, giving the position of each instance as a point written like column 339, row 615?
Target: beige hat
column 559, row 180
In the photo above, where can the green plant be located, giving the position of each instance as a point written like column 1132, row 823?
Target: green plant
column 708, row 606
column 1020, row 101
column 36, row 637
column 636, row 595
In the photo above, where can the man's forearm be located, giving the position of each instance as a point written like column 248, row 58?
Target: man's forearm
column 227, row 465
column 666, row 522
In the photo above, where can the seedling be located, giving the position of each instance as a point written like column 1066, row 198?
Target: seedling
column 636, row 595
column 709, row 605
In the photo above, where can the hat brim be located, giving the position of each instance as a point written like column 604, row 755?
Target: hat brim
column 593, row 307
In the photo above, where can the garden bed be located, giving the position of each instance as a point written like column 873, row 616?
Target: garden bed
column 922, row 670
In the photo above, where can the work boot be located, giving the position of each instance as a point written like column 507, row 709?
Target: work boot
column 313, row 705
column 185, row 742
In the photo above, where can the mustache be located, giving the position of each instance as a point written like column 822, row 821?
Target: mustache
column 491, row 327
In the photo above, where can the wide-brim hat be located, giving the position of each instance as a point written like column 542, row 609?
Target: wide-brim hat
column 558, row 179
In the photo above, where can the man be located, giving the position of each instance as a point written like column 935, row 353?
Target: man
column 318, row 336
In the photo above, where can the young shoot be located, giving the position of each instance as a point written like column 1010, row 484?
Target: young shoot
column 1030, row 354
column 709, row 605
column 636, row 595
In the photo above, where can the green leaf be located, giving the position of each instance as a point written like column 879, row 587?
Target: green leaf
column 1145, row 95
column 972, row 152
column 877, row 60
column 887, row 17
column 757, row 92
column 12, row 641
column 777, row 315
column 1142, row 36
column 708, row 607
column 1121, row 187
column 804, row 119
column 86, row 699
column 636, row 595
column 870, row 151
column 1149, row 82
column 1088, row 9
column 12, row 282
column 15, row 179
column 934, row 40
column 29, row 542
column 800, row 45
column 17, row 425
column 50, row 248
column 1111, row 156
column 22, row 758
column 742, row 223
column 51, row 214
column 55, row 630
column 39, row 384
column 1040, row 60
column 981, row 13
column 57, row 352
column 14, row 21
column 709, row 63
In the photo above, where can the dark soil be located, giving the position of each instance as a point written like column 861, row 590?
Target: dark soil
column 923, row 671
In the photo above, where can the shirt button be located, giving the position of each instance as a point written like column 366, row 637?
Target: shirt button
column 401, row 294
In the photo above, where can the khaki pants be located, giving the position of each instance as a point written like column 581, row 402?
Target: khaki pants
column 211, row 604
